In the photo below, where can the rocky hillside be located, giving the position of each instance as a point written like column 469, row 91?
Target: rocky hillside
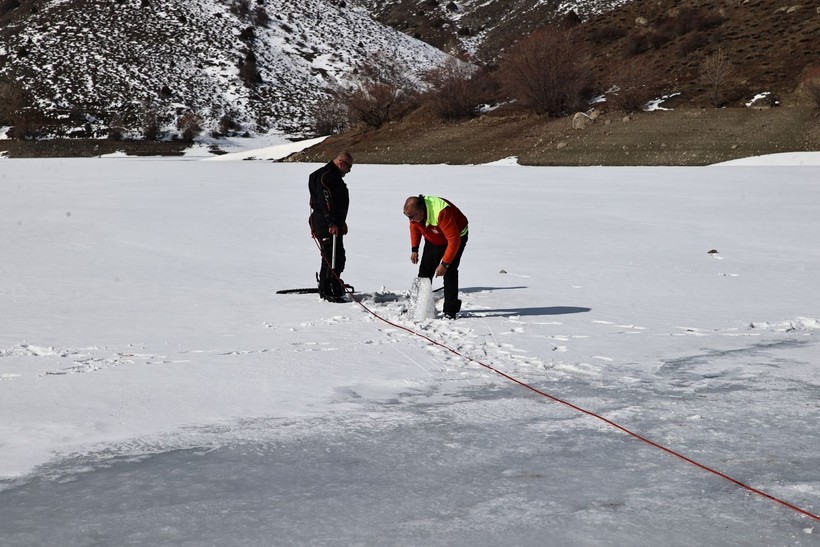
column 480, row 29
column 773, row 52
column 773, row 46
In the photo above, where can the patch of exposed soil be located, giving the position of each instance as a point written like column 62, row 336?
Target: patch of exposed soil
column 675, row 137
column 692, row 136
column 86, row 148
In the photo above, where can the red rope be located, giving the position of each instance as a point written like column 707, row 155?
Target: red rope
column 594, row 415
column 570, row 405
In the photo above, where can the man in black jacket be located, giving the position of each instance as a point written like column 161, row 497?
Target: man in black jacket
column 329, row 202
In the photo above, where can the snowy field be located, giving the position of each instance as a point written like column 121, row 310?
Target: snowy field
column 155, row 390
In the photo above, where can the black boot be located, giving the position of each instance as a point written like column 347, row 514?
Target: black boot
column 451, row 309
column 331, row 288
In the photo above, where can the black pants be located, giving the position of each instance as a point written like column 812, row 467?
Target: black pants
column 430, row 259
column 329, row 284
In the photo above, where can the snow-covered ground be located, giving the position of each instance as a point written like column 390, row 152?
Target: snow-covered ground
column 154, row 388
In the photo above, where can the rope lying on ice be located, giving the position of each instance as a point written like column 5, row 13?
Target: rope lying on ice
column 574, row 407
column 590, row 413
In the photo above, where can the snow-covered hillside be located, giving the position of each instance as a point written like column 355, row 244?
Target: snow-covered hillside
column 118, row 58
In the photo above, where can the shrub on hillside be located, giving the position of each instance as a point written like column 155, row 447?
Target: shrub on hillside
column 330, row 115
column 26, row 125
column 190, row 126
column 810, row 84
column 241, row 8
column 228, row 125
column 548, row 72
column 151, row 120
column 456, row 89
column 669, row 28
column 260, row 17
column 692, row 43
column 813, row 88
column 636, row 84
column 248, row 71
column 636, row 43
column 248, row 35
column 606, row 34
column 382, row 91
column 12, row 99
column 116, row 128
column 687, row 20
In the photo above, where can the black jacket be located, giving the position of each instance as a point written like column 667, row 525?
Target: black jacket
column 329, row 200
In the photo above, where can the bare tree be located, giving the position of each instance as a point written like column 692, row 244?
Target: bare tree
column 330, row 114
column 27, row 123
column 12, row 99
column 716, row 69
column 190, row 124
column 116, row 126
column 382, row 91
column 548, row 72
column 228, row 124
column 152, row 118
column 457, row 88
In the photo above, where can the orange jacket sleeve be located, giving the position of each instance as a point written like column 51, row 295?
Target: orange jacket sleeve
column 449, row 227
column 415, row 235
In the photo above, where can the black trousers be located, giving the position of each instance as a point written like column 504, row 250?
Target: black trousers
column 430, row 259
column 329, row 278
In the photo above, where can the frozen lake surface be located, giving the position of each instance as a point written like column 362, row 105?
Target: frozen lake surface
column 154, row 390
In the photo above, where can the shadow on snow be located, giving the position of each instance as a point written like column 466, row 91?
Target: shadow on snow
column 483, row 289
column 512, row 312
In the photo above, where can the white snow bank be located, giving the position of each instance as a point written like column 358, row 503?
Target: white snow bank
column 505, row 162
column 782, row 159
column 275, row 152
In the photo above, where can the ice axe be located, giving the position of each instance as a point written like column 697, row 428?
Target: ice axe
column 333, row 255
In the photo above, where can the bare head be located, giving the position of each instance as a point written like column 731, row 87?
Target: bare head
column 414, row 208
column 343, row 162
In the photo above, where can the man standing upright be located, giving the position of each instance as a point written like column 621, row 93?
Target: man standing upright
column 444, row 228
column 329, row 202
